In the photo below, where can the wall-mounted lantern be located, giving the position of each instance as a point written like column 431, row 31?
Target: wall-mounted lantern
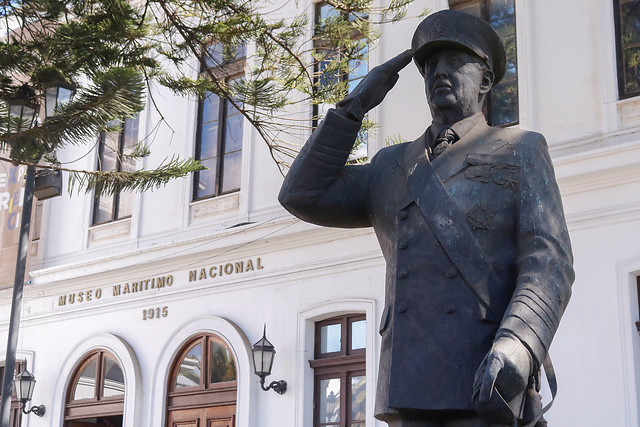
column 24, row 384
column 263, row 354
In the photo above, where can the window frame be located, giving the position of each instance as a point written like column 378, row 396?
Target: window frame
column 620, row 49
column 485, row 15
column 98, row 405
column 228, row 70
column 343, row 365
column 115, row 204
column 205, row 393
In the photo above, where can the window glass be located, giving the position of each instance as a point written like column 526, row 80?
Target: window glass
column 502, row 102
column 233, row 134
column 214, row 55
column 358, row 399
column 210, row 108
column 330, row 402
column 220, row 127
column 98, row 391
column 86, row 385
column 358, row 334
column 113, row 378
column 232, row 171
column 190, row 370
column 209, row 144
column 505, row 102
column 629, row 47
column 222, row 367
column 114, row 150
column 64, row 96
column 50, row 101
column 472, row 9
column 330, row 338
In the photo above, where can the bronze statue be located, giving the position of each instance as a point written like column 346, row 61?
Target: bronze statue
column 470, row 222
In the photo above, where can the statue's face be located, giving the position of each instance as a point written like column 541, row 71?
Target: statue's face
column 455, row 79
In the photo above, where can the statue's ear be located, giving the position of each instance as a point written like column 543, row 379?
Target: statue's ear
column 487, row 81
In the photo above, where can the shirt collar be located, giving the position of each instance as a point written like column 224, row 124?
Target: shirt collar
column 461, row 128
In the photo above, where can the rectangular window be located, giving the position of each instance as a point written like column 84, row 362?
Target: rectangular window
column 501, row 106
column 220, row 128
column 627, row 24
column 326, row 75
column 339, row 372
column 113, row 148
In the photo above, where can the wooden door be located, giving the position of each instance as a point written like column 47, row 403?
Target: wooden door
column 217, row 416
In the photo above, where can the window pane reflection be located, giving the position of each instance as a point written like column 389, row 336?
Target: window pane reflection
column 113, row 379
column 86, row 385
column 206, row 179
column 358, row 398
column 505, row 102
column 329, row 408
column 359, row 334
column 330, row 338
column 190, row 370
column 630, row 22
column 632, row 69
column 222, row 367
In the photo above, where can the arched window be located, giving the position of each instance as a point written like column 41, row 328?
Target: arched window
column 96, row 392
column 203, row 385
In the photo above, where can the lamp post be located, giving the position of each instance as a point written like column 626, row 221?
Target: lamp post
column 23, row 109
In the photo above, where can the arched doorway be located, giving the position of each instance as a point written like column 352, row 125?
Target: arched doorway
column 202, row 389
column 96, row 393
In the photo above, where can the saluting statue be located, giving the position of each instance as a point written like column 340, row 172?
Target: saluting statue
column 470, row 222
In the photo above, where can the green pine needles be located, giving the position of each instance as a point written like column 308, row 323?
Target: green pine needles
column 266, row 58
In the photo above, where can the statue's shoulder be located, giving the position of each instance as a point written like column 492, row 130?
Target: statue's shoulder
column 519, row 140
column 390, row 153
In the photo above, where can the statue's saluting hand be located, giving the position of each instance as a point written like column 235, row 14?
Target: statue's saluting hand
column 374, row 87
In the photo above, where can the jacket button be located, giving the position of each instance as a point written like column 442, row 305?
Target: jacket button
column 402, row 273
column 449, row 308
column 402, row 214
column 451, row 273
column 401, row 307
column 402, row 244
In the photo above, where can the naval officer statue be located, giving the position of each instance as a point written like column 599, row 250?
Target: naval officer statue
column 471, row 225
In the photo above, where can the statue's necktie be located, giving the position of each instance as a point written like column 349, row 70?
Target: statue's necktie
column 444, row 140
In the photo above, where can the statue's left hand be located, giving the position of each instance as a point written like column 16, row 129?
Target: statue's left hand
column 506, row 367
column 374, row 87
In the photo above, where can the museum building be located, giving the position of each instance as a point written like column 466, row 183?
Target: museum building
column 141, row 310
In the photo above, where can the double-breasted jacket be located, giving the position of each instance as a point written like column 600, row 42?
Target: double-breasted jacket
column 475, row 244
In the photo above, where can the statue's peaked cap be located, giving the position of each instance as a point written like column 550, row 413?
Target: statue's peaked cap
column 454, row 28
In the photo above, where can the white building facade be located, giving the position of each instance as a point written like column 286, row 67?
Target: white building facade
column 144, row 315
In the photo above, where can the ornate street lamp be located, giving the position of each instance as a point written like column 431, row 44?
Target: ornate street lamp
column 24, row 384
column 23, row 106
column 57, row 92
column 263, row 354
